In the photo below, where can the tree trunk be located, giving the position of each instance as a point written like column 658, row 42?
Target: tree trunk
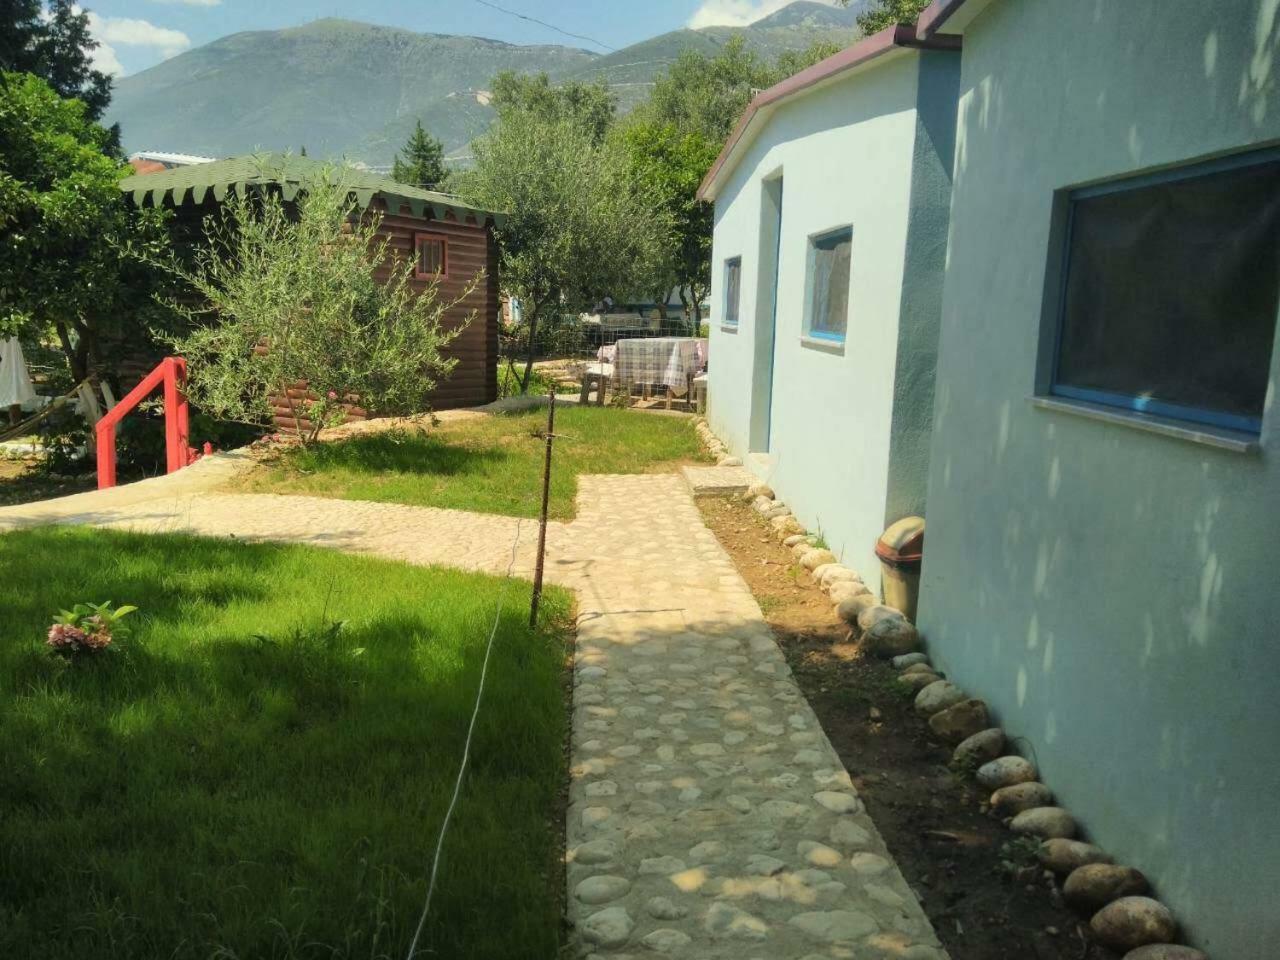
column 293, row 412
column 661, row 300
column 77, row 355
column 528, row 362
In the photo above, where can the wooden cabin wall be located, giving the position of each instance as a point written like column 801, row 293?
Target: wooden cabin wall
column 471, row 249
column 472, row 253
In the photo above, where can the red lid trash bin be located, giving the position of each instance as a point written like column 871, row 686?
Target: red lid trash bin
column 901, row 551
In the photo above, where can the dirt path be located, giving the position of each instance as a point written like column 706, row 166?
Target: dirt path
column 980, row 888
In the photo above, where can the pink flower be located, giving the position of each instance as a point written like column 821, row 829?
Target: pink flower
column 99, row 635
column 333, row 394
column 65, row 637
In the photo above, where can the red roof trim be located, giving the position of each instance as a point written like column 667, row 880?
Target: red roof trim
column 935, row 15
column 864, row 51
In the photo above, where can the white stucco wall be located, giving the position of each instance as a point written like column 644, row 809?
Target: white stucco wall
column 1110, row 592
column 845, row 153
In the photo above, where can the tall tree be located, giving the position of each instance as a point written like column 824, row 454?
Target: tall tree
column 706, row 95
column 590, row 106
column 674, row 137
column 423, row 163
column 53, row 42
column 578, row 224
column 885, row 13
column 71, row 250
column 670, row 165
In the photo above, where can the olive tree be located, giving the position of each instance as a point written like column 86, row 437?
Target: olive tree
column 579, row 224
column 291, row 293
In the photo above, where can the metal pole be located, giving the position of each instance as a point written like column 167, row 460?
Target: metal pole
column 546, row 502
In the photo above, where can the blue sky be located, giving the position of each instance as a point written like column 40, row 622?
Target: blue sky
column 136, row 34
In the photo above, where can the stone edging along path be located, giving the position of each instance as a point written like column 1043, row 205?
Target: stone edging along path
column 708, row 815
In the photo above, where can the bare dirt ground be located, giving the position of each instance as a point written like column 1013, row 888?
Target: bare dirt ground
column 981, row 888
column 22, row 481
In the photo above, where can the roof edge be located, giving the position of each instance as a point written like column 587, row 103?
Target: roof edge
column 866, row 50
column 943, row 18
column 198, row 183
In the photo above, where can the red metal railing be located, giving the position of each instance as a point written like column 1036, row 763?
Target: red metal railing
column 172, row 373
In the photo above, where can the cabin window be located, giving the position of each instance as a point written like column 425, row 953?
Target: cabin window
column 732, row 290
column 433, row 256
column 827, row 291
column 1170, row 292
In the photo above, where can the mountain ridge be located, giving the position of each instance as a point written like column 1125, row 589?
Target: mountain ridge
column 342, row 87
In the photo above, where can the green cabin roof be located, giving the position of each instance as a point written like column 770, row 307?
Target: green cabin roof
column 201, row 182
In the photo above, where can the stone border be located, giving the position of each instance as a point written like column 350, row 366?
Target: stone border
column 1123, row 918
column 715, row 446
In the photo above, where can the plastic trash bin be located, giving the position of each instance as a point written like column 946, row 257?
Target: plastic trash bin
column 901, row 549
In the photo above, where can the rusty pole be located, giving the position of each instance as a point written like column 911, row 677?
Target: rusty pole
column 546, row 502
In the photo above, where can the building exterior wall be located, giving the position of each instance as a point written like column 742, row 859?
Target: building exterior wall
column 473, row 253
column 1112, row 593
column 848, row 154
column 920, row 312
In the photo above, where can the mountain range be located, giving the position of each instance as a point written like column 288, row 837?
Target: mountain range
column 343, row 88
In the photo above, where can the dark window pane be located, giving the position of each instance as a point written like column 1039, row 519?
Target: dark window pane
column 431, row 256
column 830, row 304
column 732, row 288
column 1171, row 292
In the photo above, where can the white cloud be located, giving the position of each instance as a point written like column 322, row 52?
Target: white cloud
column 112, row 32
column 737, row 13
column 104, row 59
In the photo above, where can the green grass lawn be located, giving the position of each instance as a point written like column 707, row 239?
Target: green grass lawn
column 489, row 465
column 204, row 794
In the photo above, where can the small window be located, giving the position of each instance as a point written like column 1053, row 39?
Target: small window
column 827, row 295
column 433, row 256
column 1170, row 292
column 732, row 290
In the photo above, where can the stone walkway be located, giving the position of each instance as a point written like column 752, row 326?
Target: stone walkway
column 709, row 816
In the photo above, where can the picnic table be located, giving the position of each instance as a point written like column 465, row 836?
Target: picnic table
column 667, row 363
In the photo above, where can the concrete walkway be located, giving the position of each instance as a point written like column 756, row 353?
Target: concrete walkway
column 709, row 816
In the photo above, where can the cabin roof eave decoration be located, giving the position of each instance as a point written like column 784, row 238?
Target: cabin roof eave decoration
column 244, row 175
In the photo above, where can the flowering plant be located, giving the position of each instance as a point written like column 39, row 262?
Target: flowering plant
column 86, row 628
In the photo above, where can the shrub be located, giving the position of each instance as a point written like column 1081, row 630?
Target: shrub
column 292, row 298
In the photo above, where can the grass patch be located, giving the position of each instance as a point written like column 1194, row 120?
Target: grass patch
column 241, row 780
column 485, row 464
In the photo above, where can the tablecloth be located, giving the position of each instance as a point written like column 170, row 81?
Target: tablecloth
column 666, row 361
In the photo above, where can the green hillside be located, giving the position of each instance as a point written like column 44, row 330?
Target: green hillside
column 342, row 88
column 631, row 72
column 335, row 86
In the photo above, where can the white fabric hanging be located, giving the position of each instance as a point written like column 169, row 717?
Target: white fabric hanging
column 15, row 382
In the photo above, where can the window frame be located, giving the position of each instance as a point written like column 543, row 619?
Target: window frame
column 808, row 331
column 418, row 239
column 1239, row 423
column 731, row 318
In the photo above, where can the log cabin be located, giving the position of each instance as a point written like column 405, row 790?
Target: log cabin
column 444, row 235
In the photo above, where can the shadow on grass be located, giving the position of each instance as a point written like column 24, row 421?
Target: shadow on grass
column 206, row 792
column 396, row 452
